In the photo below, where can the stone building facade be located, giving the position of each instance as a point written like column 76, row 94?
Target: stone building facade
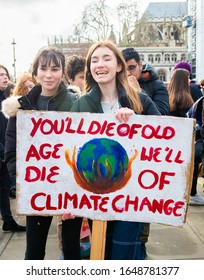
column 159, row 36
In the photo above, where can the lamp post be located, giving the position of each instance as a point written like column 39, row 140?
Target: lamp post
column 14, row 60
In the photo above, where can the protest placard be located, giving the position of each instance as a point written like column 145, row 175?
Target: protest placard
column 96, row 167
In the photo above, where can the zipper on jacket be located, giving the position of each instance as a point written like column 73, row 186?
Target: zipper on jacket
column 53, row 98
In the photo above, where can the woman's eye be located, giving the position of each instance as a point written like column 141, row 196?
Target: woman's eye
column 55, row 69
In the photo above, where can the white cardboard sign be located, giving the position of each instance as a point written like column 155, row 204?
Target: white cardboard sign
column 96, row 167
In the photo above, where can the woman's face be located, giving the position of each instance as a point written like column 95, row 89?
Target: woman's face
column 104, row 65
column 27, row 86
column 4, row 80
column 49, row 76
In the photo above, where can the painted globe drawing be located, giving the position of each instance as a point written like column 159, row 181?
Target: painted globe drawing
column 101, row 165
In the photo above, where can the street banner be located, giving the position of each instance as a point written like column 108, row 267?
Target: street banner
column 96, row 167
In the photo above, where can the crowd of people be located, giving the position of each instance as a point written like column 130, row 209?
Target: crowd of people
column 106, row 81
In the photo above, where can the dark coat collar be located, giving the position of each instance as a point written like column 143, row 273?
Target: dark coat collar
column 95, row 96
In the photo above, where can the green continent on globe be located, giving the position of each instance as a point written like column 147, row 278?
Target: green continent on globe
column 102, row 159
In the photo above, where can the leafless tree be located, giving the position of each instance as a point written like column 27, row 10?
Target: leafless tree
column 127, row 13
column 94, row 24
column 98, row 20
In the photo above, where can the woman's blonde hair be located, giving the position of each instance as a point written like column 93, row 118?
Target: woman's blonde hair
column 19, row 88
column 121, row 77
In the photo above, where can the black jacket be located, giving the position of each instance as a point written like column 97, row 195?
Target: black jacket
column 62, row 101
column 196, row 112
column 196, row 92
column 3, row 124
column 91, row 102
column 181, row 113
column 156, row 89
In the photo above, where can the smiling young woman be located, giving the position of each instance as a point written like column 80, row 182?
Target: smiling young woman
column 49, row 94
column 109, row 91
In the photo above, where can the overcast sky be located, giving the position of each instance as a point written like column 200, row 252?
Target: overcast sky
column 31, row 22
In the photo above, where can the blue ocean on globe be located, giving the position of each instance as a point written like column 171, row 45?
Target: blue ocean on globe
column 100, row 159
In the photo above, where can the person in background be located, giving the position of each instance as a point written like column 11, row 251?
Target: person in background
column 109, row 91
column 49, row 94
column 180, row 99
column 202, row 86
column 24, row 84
column 9, row 224
column 194, row 88
column 7, row 93
column 75, row 79
column 195, row 198
column 196, row 112
column 148, row 79
column 9, row 90
column 75, row 73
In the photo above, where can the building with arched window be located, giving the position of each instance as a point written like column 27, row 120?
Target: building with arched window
column 159, row 36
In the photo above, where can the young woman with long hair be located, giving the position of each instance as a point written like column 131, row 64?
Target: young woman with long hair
column 108, row 90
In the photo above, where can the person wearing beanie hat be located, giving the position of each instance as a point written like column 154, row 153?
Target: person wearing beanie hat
column 194, row 88
column 184, row 65
column 181, row 102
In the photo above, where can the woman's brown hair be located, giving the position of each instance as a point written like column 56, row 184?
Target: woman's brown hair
column 121, row 77
column 179, row 90
column 47, row 55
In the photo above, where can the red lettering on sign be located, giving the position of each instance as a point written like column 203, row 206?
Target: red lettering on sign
column 119, row 203
column 84, row 202
column 34, row 173
column 45, row 152
column 159, row 180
